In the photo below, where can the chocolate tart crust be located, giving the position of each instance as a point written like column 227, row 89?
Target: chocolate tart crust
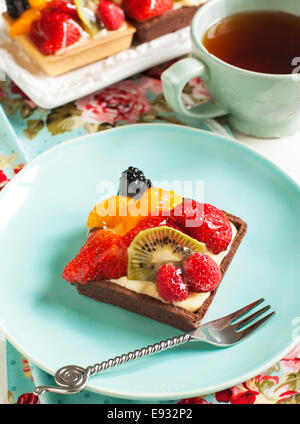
column 112, row 293
column 164, row 24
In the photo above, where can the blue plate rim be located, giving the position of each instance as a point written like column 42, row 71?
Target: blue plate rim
column 173, row 395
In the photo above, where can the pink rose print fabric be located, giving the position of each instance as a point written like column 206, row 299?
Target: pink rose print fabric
column 124, row 101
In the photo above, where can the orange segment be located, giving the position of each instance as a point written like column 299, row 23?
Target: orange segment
column 122, row 214
column 23, row 24
column 106, row 214
column 38, row 4
column 113, row 213
column 156, row 200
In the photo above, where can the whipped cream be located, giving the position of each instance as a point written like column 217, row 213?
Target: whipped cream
column 149, row 288
column 192, row 303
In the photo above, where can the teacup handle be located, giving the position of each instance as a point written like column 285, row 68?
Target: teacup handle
column 174, row 80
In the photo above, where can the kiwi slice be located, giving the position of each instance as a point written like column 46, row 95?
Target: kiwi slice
column 157, row 246
column 86, row 12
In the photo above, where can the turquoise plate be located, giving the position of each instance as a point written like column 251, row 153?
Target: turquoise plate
column 43, row 212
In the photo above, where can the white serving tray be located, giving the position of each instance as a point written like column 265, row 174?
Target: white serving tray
column 50, row 92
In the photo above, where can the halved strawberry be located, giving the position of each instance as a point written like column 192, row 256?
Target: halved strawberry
column 102, row 257
column 146, row 9
column 54, row 31
column 60, row 27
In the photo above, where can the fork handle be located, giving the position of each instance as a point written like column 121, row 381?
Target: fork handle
column 72, row 379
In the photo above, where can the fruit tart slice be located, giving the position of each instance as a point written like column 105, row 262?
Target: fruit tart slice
column 152, row 252
column 62, row 35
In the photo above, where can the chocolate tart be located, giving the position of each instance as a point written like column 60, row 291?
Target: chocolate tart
column 164, row 24
column 183, row 319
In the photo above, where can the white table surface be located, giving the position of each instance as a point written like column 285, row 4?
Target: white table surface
column 283, row 152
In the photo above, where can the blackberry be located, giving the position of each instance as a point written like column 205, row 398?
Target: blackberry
column 133, row 183
column 15, row 8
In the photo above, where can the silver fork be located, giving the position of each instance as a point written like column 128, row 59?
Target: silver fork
column 223, row 332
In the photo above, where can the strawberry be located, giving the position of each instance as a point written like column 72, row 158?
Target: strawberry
column 54, row 31
column 205, row 223
column 60, row 28
column 170, row 284
column 141, row 10
column 110, row 14
column 202, row 274
column 103, row 257
column 188, row 214
column 62, row 6
column 148, row 222
column 215, row 231
column 37, row 36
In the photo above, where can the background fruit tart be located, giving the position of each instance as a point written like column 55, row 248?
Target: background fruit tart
column 62, row 35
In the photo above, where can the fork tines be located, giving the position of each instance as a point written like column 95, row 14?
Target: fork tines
column 238, row 325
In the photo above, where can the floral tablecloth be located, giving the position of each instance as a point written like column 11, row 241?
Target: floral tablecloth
column 27, row 130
